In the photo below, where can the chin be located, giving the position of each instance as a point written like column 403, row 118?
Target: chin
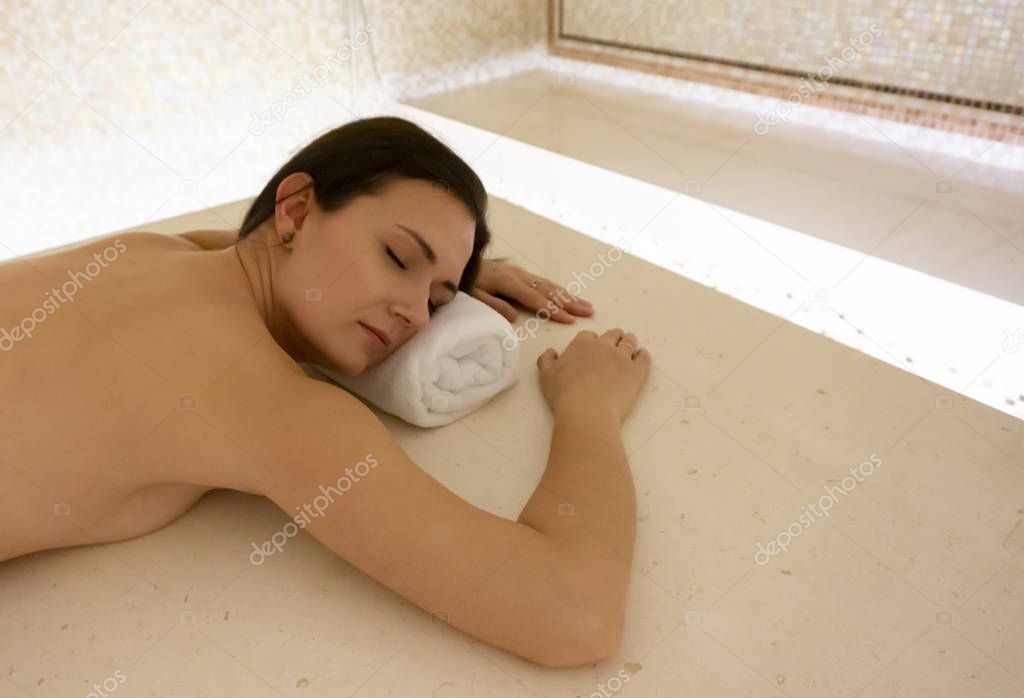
column 370, row 363
column 352, row 371
column 346, row 367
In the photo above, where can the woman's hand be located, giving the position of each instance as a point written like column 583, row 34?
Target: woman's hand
column 595, row 372
column 499, row 280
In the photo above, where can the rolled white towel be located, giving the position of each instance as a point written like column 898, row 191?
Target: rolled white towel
column 463, row 358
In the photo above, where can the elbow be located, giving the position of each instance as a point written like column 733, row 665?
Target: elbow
column 590, row 650
column 591, row 609
column 609, row 641
column 570, row 610
column 594, row 637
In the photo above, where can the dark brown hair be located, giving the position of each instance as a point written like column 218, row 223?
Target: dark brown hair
column 362, row 156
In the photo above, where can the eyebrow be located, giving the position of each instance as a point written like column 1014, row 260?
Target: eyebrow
column 428, row 251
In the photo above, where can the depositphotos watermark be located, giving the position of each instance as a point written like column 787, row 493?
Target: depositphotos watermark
column 110, row 684
column 606, row 689
column 306, row 83
column 780, row 112
column 575, row 288
column 826, row 501
column 309, row 512
column 58, row 296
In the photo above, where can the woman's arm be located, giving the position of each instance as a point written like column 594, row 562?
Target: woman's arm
column 549, row 587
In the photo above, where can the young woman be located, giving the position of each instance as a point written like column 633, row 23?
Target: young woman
column 139, row 371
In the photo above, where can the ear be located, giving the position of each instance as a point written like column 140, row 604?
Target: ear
column 295, row 199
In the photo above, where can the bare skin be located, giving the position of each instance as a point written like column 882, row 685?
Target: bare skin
column 172, row 371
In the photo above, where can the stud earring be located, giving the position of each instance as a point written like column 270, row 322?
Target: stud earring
column 287, row 237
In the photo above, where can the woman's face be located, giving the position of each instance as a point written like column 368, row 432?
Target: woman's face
column 378, row 262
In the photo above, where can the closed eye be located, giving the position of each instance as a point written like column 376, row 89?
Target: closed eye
column 431, row 308
column 394, row 257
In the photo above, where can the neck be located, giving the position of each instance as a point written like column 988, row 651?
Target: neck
column 260, row 256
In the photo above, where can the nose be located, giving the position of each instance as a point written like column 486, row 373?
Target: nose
column 413, row 310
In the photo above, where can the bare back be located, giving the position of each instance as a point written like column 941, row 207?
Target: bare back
column 106, row 347
column 160, row 380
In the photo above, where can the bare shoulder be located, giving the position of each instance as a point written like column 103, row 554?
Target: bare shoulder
column 189, row 240
column 279, row 416
column 211, row 239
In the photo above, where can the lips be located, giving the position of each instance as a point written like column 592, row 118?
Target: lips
column 380, row 334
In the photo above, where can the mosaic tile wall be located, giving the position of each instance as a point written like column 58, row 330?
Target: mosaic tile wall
column 931, row 57
column 143, row 63
column 115, row 113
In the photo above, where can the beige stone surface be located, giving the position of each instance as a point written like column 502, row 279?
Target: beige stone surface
column 880, row 198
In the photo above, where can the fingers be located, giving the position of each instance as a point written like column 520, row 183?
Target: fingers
column 573, row 304
column 538, row 293
column 556, row 301
column 506, row 309
column 547, row 357
column 613, row 336
column 558, row 295
column 627, row 342
column 537, row 300
column 583, row 333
